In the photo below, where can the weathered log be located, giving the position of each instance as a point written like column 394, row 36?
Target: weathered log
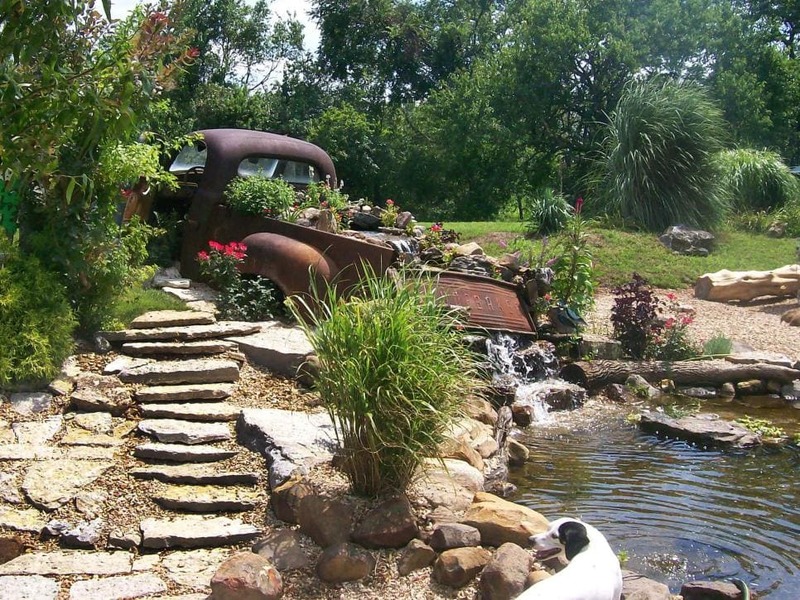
column 599, row 373
column 725, row 285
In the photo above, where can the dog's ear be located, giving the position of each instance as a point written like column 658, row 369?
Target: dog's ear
column 573, row 536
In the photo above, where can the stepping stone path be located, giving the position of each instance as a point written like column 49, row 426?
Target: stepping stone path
column 178, row 365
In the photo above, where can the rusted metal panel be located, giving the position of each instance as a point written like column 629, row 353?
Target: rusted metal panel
column 491, row 304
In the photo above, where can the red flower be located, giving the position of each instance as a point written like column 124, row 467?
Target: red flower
column 193, row 53
column 436, row 227
column 216, row 246
column 203, row 256
column 578, row 205
column 126, row 193
column 324, row 204
column 670, row 323
column 390, row 202
column 687, row 320
column 671, row 296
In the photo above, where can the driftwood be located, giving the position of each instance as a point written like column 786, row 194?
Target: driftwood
column 599, row 373
column 724, row 285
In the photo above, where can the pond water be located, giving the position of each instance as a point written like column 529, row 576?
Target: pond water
column 680, row 513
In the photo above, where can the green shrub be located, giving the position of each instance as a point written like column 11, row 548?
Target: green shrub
column 36, row 322
column 790, row 215
column 549, row 212
column 756, row 180
column 719, row 345
column 658, row 165
column 393, row 369
column 259, row 195
column 574, row 276
column 322, row 194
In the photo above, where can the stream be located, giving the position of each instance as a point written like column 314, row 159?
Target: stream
column 680, row 513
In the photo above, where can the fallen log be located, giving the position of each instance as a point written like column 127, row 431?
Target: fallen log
column 599, row 373
column 725, row 285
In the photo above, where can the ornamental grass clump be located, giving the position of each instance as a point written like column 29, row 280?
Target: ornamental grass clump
column 757, row 180
column 393, row 371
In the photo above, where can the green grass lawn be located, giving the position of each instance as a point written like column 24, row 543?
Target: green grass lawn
column 618, row 254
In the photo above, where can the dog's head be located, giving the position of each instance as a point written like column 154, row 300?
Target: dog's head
column 566, row 535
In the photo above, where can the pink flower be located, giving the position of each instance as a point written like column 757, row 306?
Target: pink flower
column 436, row 227
column 670, row 323
column 578, row 205
column 193, row 53
column 389, row 202
column 686, row 321
column 324, row 204
column 548, row 297
column 216, row 246
column 671, row 296
column 202, row 256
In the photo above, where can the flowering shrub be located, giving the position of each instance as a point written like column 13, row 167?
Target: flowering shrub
column 389, row 214
column 322, row 195
column 259, row 195
column 673, row 342
column 437, row 236
column 243, row 299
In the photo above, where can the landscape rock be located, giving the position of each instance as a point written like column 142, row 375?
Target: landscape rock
column 82, row 437
column 753, row 357
column 467, row 454
column 206, row 498
column 344, row 562
column 197, row 411
column 285, row 498
column 90, row 503
column 505, row 576
column 791, row 317
column 687, row 241
column 28, row 587
column 30, row 403
column 194, row 474
column 283, row 548
column 710, row 590
column 457, row 567
column 185, row 432
column 184, row 393
column 121, row 363
column 638, row 587
column 280, row 348
column 791, row 391
column 37, row 432
column 100, row 393
column 96, row 422
column 69, row 562
column 621, row 394
column 751, row 387
column 199, row 370
column 481, row 410
column 193, row 568
column 518, row 453
column 458, row 471
column 416, row 555
column 446, row 536
column 391, row 524
column 124, row 541
column 325, row 520
column 642, row 388
column 84, row 535
column 117, row 588
column 246, row 576
column 9, row 491
column 195, row 531
column 186, row 334
column 501, row 521
column 198, row 348
column 171, row 318
column 182, row 453
column 703, row 429
column 11, row 546
column 51, row 483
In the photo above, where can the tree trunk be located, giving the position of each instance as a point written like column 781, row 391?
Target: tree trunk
column 598, row 373
column 724, row 285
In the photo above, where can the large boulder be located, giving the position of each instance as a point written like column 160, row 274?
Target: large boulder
column 416, row 555
column 688, row 241
column 344, row 562
column 327, row 521
column 703, row 429
column 246, row 576
column 501, row 521
column 710, row 590
column 639, row 587
column 391, row 524
column 457, row 567
column 505, row 576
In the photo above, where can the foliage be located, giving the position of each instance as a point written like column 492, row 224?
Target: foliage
column 240, row 298
column 761, row 427
column 757, row 180
column 658, row 168
column 137, row 300
column 673, row 342
column 36, row 322
column 321, row 194
column 126, row 164
column 389, row 214
column 719, row 345
column 634, row 316
column 549, row 212
column 260, row 195
column 574, row 276
column 393, row 370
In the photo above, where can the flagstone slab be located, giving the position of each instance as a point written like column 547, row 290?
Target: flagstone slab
column 172, row 318
column 185, row 432
column 81, row 437
column 6, row 433
column 96, row 422
column 207, row 498
column 69, row 562
column 37, row 432
column 30, row 403
column 183, row 393
column 224, row 329
column 279, row 347
column 194, row 568
column 28, row 587
column 195, row 531
column 197, row 411
column 28, row 452
column 194, row 474
column 182, row 453
column 50, row 484
column 117, row 588
column 196, row 370
column 26, row 519
column 178, row 348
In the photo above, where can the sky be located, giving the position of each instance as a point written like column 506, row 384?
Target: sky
column 281, row 8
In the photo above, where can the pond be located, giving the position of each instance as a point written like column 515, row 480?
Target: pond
column 680, row 513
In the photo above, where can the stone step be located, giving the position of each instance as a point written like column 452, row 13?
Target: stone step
column 69, row 562
column 182, row 453
column 198, row 411
column 207, row 498
column 185, row 432
column 172, row 318
column 193, row 474
column 196, row 370
column 178, row 348
column 187, row 392
column 224, row 329
column 194, row 531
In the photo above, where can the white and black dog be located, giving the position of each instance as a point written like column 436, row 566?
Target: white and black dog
column 593, row 572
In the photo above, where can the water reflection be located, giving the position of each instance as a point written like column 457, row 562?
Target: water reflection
column 679, row 512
